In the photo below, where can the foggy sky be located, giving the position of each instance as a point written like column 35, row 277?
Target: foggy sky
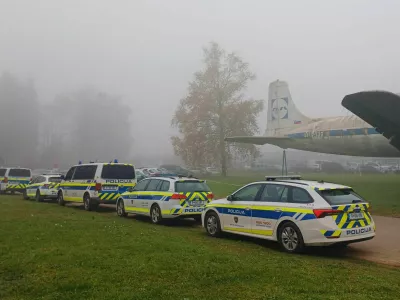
column 147, row 51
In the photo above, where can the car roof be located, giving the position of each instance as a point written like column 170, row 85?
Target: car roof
column 310, row 183
column 103, row 164
column 174, row 178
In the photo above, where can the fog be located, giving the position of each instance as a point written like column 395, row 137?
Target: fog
column 145, row 52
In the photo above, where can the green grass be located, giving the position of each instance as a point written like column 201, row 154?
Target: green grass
column 53, row 252
column 382, row 191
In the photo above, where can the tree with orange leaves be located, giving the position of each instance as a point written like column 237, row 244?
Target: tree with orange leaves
column 215, row 108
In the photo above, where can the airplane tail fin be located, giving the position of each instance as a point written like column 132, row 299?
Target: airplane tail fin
column 282, row 112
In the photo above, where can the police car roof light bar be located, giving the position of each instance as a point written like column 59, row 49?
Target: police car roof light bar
column 290, row 177
column 115, row 161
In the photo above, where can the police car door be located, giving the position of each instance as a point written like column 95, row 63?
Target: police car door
column 237, row 216
column 66, row 184
column 268, row 209
column 132, row 202
column 30, row 189
column 149, row 195
column 83, row 180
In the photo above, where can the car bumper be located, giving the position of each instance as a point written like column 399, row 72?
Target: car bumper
column 316, row 237
column 182, row 212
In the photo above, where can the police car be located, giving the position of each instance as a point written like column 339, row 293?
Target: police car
column 294, row 212
column 14, row 179
column 96, row 183
column 166, row 198
column 42, row 187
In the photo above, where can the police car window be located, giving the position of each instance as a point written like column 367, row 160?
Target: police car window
column 54, row 179
column 40, row 179
column 340, row 196
column 164, row 186
column 248, row 193
column 118, row 172
column 300, row 196
column 142, row 185
column 189, row 186
column 69, row 174
column 85, row 172
column 3, row 172
column 272, row 193
column 19, row 173
column 153, row 185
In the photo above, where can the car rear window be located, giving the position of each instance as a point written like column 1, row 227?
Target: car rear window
column 3, row 172
column 55, row 179
column 19, row 173
column 118, row 172
column 340, row 196
column 189, row 186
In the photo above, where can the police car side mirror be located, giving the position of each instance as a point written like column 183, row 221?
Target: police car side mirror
column 62, row 177
column 229, row 198
column 131, row 189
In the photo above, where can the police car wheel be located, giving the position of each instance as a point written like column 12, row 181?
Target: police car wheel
column 212, row 224
column 121, row 209
column 290, row 238
column 24, row 194
column 60, row 199
column 38, row 198
column 87, row 203
column 155, row 214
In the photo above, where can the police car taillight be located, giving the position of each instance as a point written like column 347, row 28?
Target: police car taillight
column 98, row 187
column 5, row 179
column 322, row 213
column 178, row 196
column 210, row 196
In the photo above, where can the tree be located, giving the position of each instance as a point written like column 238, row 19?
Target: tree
column 19, row 120
column 87, row 125
column 215, row 108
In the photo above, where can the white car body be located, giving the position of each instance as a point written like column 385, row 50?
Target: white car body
column 262, row 218
column 14, row 179
column 96, row 183
column 162, row 192
column 46, row 186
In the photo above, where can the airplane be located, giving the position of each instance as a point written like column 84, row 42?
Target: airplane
column 288, row 128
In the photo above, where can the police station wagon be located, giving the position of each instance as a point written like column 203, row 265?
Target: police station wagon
column 294, row 212
column 43, row 187
column 96, row 183
column 166, row 198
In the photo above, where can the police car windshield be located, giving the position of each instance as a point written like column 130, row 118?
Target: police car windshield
column 3, row 172
column 118, row 172
column 55, row 179
column 340, row 196
column 19, row 173
column 191, row 186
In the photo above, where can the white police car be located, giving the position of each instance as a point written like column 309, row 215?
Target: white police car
column 166, row 198
column 96, row 183
column 43, row 187
column 14, row 179
column 294, row 212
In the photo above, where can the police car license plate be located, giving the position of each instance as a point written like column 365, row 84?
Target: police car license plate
column 356, row 216
column 196, row 203
column 109, row 188
column 13, row 182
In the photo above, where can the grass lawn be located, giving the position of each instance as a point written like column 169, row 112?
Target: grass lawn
column 382, row 191
column 53, row 252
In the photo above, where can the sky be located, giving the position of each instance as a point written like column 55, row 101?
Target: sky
column 147, row 50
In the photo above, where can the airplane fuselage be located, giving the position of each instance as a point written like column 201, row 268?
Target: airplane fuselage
column 346, row 135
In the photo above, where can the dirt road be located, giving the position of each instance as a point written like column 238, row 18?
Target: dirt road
column 384, row 247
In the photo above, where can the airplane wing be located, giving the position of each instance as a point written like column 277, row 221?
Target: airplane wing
column 380, row 109
column 282, row 142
